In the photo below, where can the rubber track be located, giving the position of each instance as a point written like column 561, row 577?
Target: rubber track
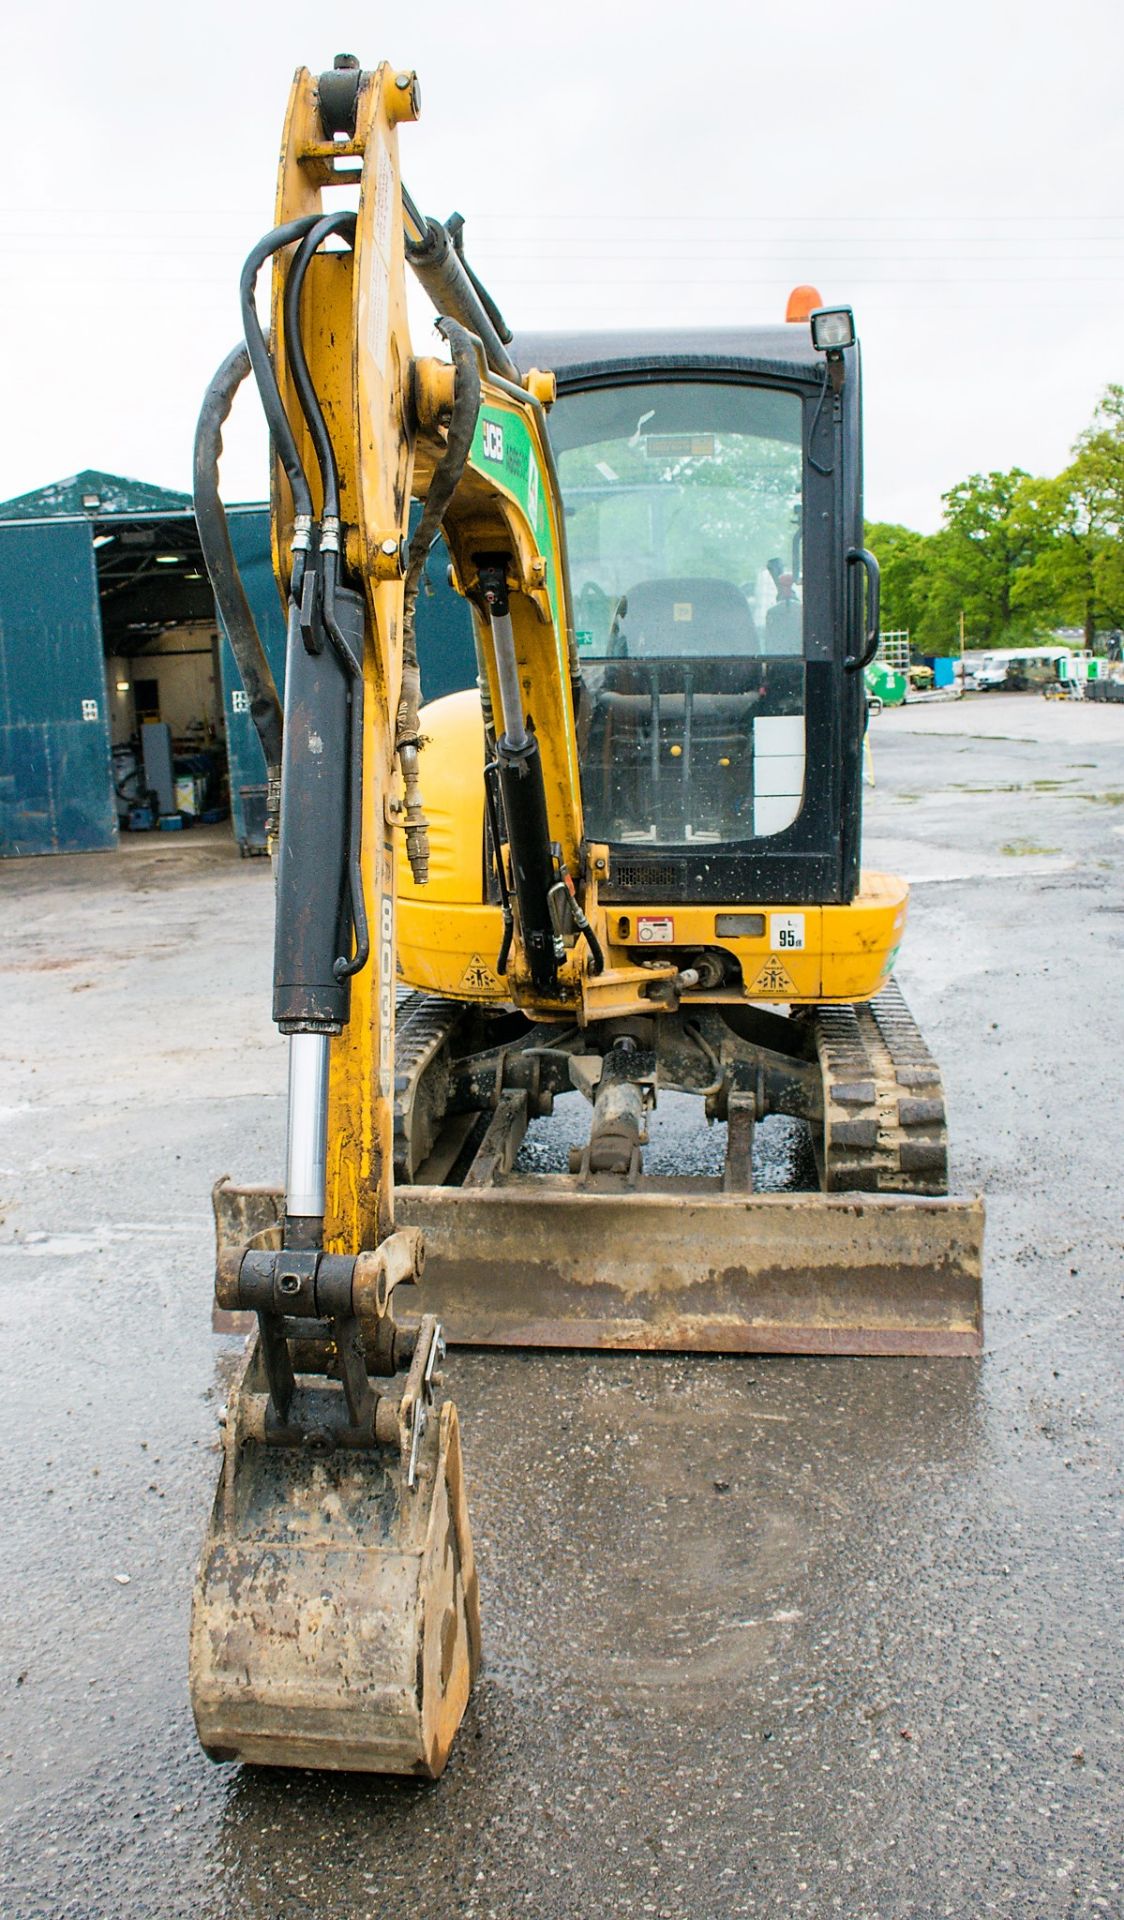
column 424, row 1022
column 884, row 1112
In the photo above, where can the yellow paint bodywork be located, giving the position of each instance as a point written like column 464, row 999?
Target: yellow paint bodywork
column 449, row 935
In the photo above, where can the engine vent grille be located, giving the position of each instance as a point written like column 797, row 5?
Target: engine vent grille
column 638, row 874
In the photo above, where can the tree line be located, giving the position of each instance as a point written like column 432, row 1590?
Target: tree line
column 1017, row 554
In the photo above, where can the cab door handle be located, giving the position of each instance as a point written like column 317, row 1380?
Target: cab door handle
column 862, row 557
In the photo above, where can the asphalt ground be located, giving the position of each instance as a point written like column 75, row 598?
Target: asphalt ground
column 769, row 1637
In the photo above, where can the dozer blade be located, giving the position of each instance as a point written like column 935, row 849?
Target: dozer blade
column 335, row 1621
column 718, row 1273
column 547, row 1264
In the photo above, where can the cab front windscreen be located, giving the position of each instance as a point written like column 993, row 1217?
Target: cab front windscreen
column 684, row 515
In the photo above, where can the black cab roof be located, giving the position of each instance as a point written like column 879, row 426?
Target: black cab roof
column 579, row 356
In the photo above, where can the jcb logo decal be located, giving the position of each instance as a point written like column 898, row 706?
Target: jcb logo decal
column 493, row 440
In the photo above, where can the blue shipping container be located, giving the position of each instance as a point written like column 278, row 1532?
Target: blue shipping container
column 56, row 779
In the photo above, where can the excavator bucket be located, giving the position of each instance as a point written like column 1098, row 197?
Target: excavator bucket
column 335, row 1621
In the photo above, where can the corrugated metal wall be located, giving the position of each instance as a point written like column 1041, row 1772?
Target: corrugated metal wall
column 56, row 774
column 56, row 779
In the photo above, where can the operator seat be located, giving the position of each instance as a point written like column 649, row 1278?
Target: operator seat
column 680, row 685
column 685, row 614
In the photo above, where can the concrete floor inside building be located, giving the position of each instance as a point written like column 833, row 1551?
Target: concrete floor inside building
column 762, row 1637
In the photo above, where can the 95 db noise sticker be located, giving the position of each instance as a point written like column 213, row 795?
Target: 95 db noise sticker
column 786, row 932
column 655, row 930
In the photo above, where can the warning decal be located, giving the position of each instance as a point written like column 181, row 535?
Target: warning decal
column 774, row 977
column 656, row 930
column 478, row 976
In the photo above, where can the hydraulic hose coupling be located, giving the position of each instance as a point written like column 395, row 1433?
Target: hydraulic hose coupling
column 300, row 547
column 417, row 827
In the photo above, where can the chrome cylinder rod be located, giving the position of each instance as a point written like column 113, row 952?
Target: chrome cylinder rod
column 308, row 1125
column 507, row 673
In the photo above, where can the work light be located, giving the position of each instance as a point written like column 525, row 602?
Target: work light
column 832, row 328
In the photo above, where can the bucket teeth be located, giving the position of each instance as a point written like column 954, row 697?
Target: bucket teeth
column 335, row 1621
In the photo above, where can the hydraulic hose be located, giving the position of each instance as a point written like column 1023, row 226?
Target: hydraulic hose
column 596, row 952
column 491, row 801
column 321, row 230
column 520, row 775
column 281, row 433
column 344, row 968
column 454, row 227
column 222, row 568
column 445, row 481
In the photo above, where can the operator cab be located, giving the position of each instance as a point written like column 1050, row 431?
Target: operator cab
column 712, row 489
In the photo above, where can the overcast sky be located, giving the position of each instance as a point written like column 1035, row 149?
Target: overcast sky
column 953, row 170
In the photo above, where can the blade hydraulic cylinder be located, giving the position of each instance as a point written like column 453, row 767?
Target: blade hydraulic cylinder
column 619, row 1108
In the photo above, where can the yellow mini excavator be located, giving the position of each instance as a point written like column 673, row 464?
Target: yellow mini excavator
column 625, row 862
